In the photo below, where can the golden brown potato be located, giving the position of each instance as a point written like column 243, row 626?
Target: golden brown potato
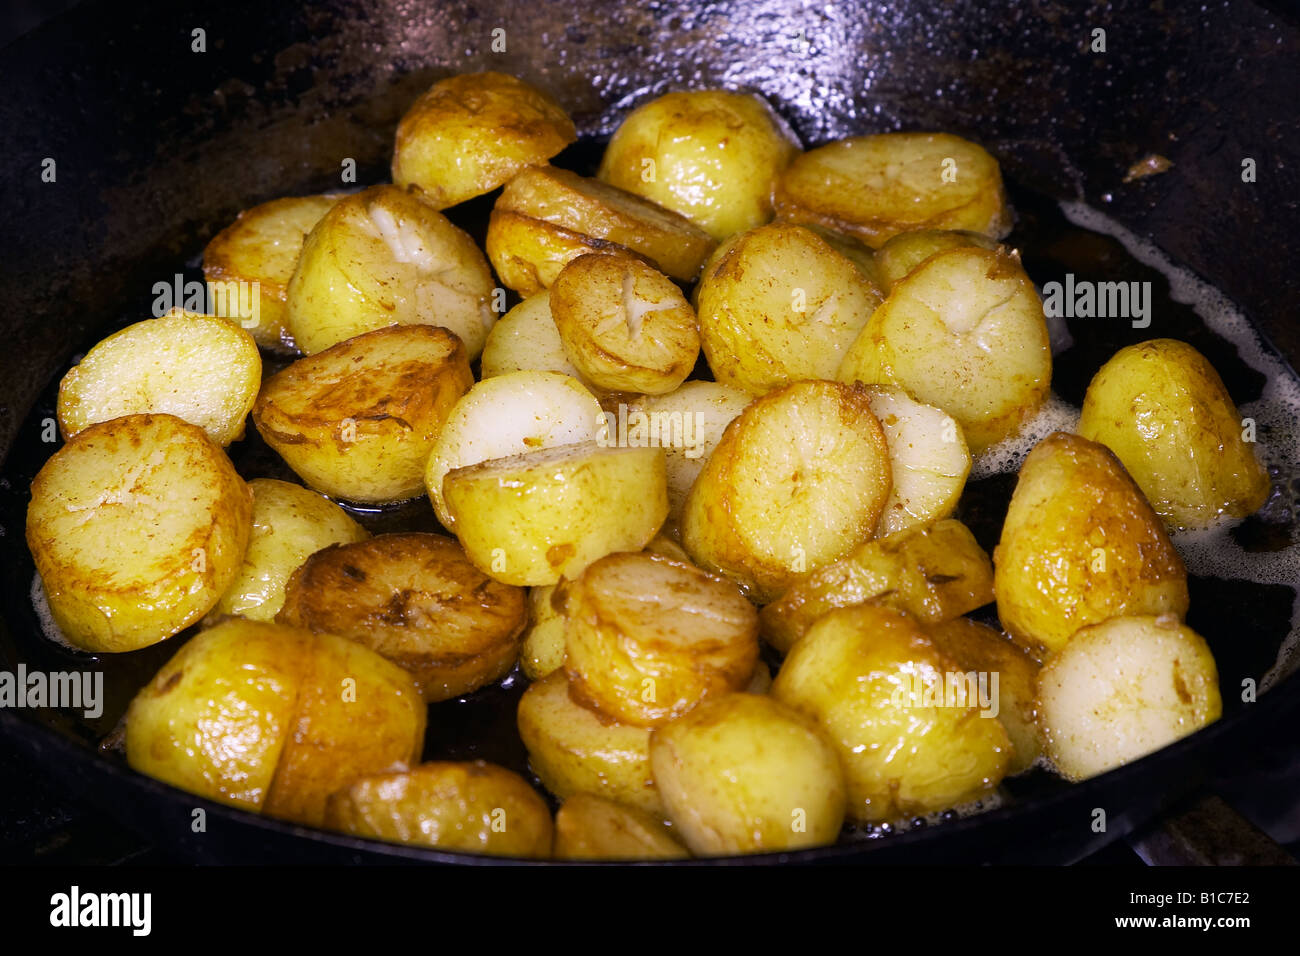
column 526, row 339
column 575, row 750
column 197, row 367
column 904, row 252
column 262, row 247
column 963, row 332
column 647, row 638
column 529, row 253
column 778, row 304
column 588, row 827
column 386, row 257
column 913, row 733
column 272, row 718
column 1079, row 545
column 745, row 774
column 798, row 480
column 593, row 208
column 1163, row 410
column 471, row 133
column 359, row 420
column 874, row 187
column 417, row 600
column 290, row 523
column 934, row 572
column 984, row 650
column 473, row 806
column 137, row 526
column 710, row 155
column 542, row 650
column 1123, row 688
column 625, row 326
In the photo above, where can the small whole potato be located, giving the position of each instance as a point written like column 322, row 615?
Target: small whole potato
column 710, row 155
column 1163, row 410
column 746, row 774
column 588, row 827
column 472, row 806
column 471, row 133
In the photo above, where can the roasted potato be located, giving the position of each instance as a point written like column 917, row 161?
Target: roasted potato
column 798, row 480
column 624, row 326
column 1080, row 544
column 507, row 415
column 1163, row 410
column 912, row 736
column 386, row 257
column 471, row 133
column 1123, row 688
column 874, row 187
column 272, row 718
column 535, row 518
column 964, row 332
column 137, row 526
column 249, row 263
column 575, row 750
column 744, row 774
column 473, row 806
column 197, row 367
column 778, row 304
column 528, row 253
column 902, row 253
column 647, row 638
column 979, row 648
column 290, row 523
column 542, row 650
column 711, row 155
column 588, row 827
column 417, row 600
column 934, row 572
column 359, row 420
column 526, row 340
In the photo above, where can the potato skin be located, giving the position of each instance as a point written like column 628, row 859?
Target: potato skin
column 1080, row 544
column 588, row 827
column 1163, row 410
column 902, row 253
column 542, row 650
column 359, row 420
column 473, row 806
column 576, row 750
column 417, row 600
column 471, row 133
column 855, row 673
column 137, row 526
column 526, row 339
column 745, row 774
column 528, row 254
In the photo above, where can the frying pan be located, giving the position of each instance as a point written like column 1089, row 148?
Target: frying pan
column 157, row 146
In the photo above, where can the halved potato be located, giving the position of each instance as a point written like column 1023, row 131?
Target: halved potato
column 710, row 155
column 529, row 253
column 359, row 420
column 798, row 480
column 262, row 246
column 745, row 774
column 137, row 526
column 1163, row 410
column 593, row 208
column 537, row 517
column 874, row 187
column 525, row 339
column 271, row 718
column 647, row 638
column 912, row 737
column 934, row 572
column 197, row 367
column 290, row 523
column 624, row 325
column 778, row 304
column 417, row 600
column 575, row 750
column 588, row 827
column 471, row 133
column 473, row 806
column 542, row 650
column 386, row 257
column 904, row 252
column 1080, row 544
column 964, row 332
column 1123, row 688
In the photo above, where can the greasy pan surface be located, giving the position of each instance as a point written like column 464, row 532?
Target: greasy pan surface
column 158, row 147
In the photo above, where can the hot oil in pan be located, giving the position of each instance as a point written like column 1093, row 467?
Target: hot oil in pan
column 1242, row 577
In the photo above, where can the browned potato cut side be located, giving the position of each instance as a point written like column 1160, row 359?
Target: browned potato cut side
column 588, row 827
